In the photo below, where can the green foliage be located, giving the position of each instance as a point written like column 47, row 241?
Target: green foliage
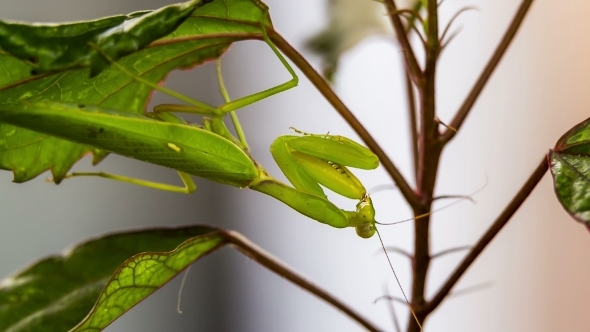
column 77, row 88
column 53, row 48
column 570, row 166
column 203, row 36
column 56, row 293
column 56, row 109
column 571, row 177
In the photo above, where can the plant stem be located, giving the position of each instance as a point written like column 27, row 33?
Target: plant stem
column 428, row 161
column 275, row 265
column 324, row 88
column 488, row 70
column 431, row 144
column 412, row 66
column 413, row 121
column 430, row 148
column 502, row 220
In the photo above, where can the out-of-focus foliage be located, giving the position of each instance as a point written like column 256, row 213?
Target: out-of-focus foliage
column 349, row 23
column 98, row 277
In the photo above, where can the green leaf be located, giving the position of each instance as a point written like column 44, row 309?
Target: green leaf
column 570, row 166
column 51, row 47
column 571, row 178
column 203, row 36
column 60, row 292
column 575, row 140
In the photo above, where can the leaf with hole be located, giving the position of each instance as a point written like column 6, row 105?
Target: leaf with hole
column 95, row 282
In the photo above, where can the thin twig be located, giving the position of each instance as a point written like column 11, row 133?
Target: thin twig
column 399, row 251
column 467, row 197
column 275, row 265
column 450, row 251
column 324, row 88
column 413, row 121
column 446, row 42
column 394, row 318
column 390, row 298
column 381, row 187
column 471, row 289
column 410, row 95
column 412, row 66
column 488, row 70
column 502, row 220
column 412, row 15
column 457, row 14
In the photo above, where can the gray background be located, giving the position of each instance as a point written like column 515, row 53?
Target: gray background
column 537, row 266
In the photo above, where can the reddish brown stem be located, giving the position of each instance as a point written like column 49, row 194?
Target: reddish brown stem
column 275, row 265
column 428, row 161
column 500, row 222
column 487, row 72
column 412, row 66
column 431, row 145
column 413, row 121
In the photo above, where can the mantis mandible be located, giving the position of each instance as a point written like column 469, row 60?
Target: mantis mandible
column 210, row 150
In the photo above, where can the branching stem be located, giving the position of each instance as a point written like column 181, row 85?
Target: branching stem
column 488, row 70
column 264, row 258
column 430, row 146
column 500, row 222
column 412, row 66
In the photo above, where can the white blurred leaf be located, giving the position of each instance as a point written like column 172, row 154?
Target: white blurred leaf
column 349, row 22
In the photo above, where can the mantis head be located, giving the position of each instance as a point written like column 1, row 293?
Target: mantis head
column 364, row 218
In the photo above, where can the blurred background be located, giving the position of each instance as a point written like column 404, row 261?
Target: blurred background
column 535, row 272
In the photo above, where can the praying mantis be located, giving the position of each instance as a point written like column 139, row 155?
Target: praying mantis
column 212, row 152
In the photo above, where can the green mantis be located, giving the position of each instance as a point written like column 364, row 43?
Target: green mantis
column 210, row 150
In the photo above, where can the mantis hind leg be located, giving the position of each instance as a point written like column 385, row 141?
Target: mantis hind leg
column 189, row 184
column 230, row 106
column 247, row 100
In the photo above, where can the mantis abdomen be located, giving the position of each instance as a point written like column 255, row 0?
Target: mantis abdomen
column 185, row 148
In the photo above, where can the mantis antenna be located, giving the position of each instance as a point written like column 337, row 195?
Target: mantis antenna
column 458, row 198
column 397, row 279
